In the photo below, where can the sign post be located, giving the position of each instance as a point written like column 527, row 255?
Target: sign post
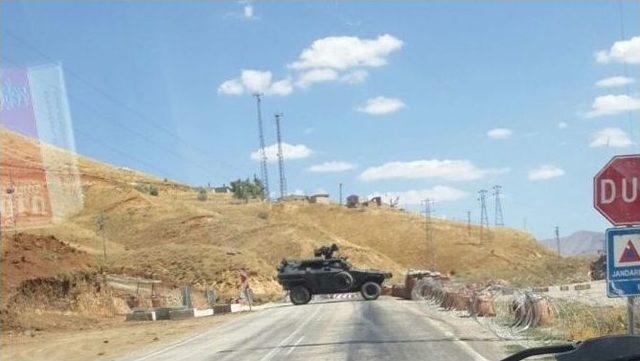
column 616, row 195
column 630, row 312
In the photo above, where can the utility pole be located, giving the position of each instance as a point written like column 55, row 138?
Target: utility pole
column 100, row 223
column 484, row 220
column 557, row 232
column 11, row 191
column 283, row 180
column 264, row 173
column 340, row 192
column 498, row 219
column 469, row 223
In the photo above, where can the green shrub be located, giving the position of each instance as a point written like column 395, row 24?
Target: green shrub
column 248, row 189
column 202, row 194
column 147, row 188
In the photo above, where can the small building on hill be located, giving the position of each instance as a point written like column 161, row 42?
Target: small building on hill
column 322, row 198
column 353, row 201
column 376, row 201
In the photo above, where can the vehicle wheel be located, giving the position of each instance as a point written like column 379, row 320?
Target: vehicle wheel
column 300, row 295
column 344, row 281
column 370, row 291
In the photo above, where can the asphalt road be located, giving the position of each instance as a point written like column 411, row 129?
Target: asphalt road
column 386, row 329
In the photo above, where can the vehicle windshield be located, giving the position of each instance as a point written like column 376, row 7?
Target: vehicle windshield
column 300, row 180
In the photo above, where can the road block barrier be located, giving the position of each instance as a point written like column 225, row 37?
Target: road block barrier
column 524, row 309
column 386, row 290
column 531, row 310
column 482, row 306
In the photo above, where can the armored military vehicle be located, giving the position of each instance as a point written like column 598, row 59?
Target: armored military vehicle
column 326, row 274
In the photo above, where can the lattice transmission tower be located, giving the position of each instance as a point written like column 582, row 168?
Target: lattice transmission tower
column 497, row 195
column 264, row 173
column 428, row 211
column 484, row 219
column 283, row 179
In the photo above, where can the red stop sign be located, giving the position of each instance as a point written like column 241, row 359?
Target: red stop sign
column 616, row 190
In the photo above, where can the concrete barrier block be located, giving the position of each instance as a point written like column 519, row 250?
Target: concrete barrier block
column 220, row 309
column 236, row 307
column 180, row 314
column 582, row 287
column 540, row 289
column 141, row 315
column 203, row 313
column 164, row 313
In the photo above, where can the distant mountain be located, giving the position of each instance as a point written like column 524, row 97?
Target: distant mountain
column 578, row 243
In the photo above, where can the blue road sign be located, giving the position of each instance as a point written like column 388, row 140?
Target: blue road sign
column 623, row 261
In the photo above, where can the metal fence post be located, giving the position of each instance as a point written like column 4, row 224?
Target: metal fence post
column 630, row 311
column 186, row 296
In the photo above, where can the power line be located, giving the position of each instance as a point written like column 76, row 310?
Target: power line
column 124, row 154
column 283, row 180
column 94, row 112
column 112, row 99
column 498, row 219
column 264, row 172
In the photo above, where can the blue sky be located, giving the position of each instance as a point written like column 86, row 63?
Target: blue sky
column 411, row 99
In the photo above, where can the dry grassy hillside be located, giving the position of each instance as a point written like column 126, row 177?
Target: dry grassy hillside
column 175, row 237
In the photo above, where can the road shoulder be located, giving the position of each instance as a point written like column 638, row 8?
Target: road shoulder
column 105, row 343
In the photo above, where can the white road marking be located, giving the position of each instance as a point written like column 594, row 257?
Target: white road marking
column 463, row 345
column 294, row 346
column 300, row 327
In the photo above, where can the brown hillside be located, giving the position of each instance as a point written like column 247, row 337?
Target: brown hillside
column 175, row 237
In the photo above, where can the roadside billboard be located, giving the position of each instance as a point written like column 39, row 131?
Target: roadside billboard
column 38, row 185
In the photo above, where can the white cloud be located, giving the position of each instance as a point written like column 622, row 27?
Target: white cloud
column 614, row 81
column 416, row 196
column 610, row 137
column 545, row 172
column 289, row 151
column 344, row 52
column 337, row 58
column 248, row 11
column 499, row 133
column 612, row 105
column 381, row 105
column 331, row 167
column 354, row 77
column 316, row 76
column 281, row 87
column 256, row 81
column 562, row 125
column 454, row 170
column 625, row 51
column 231, row 87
